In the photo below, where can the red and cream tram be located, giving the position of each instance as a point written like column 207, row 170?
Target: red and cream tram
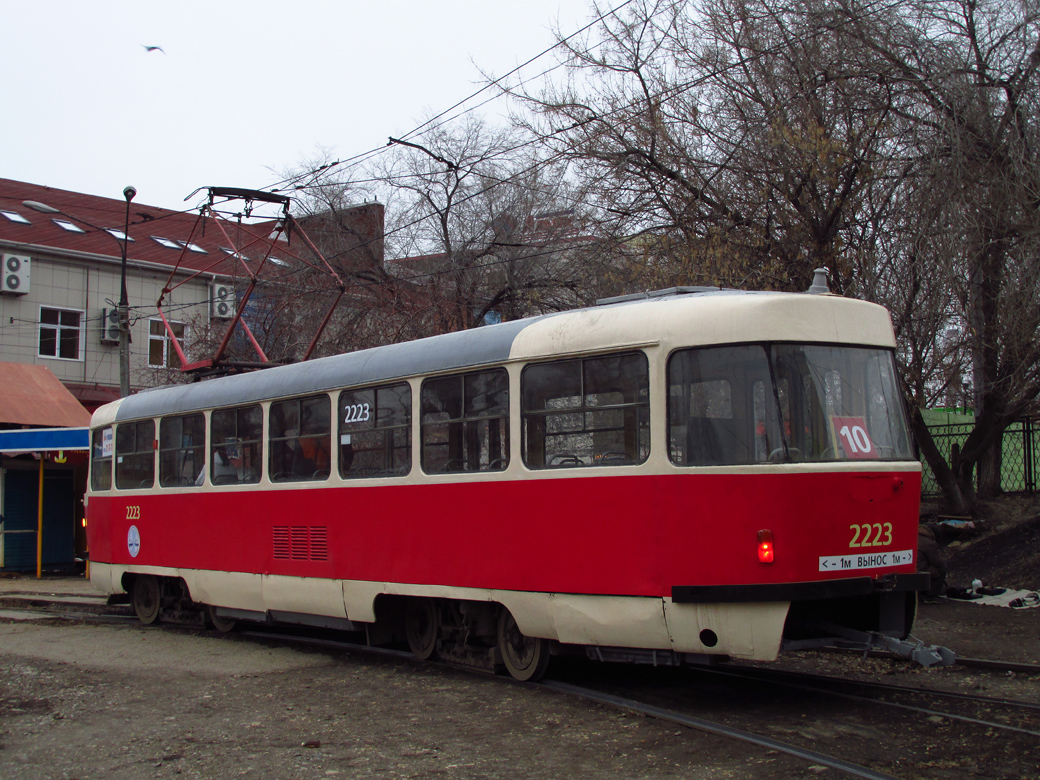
column 683, row 475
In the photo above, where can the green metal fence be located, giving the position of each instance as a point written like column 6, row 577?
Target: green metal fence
column 1020, row 450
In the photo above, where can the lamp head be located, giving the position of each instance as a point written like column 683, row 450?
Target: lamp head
column 129, row 193
column 43, row 208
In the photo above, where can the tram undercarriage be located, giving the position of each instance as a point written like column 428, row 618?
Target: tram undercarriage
column 485, row 635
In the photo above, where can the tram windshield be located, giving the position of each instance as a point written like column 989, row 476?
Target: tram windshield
column 783, row 403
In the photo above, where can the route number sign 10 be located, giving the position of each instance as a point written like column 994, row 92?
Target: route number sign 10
column 851, row 433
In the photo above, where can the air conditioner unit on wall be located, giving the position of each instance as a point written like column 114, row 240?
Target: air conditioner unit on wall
column 221, row 301
column 15, row 274
column 110, row 326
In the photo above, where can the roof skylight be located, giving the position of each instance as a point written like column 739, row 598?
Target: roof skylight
column 69, row 226
column 14, row 216
column 193, row 247
column 169, row 243
column 118, row 234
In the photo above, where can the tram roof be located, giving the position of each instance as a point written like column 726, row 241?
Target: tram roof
column 704, row 318
column 459, row 350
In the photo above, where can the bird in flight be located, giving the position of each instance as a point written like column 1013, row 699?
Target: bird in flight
column 153, row 48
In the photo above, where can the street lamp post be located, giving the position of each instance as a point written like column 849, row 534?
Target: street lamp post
column 124, row 302
column 124, row 306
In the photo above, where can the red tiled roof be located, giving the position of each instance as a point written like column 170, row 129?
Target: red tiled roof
column 145, row 222
column 32, row 395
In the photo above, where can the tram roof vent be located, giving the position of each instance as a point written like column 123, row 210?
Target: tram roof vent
column 819, row 282
column 666, row 293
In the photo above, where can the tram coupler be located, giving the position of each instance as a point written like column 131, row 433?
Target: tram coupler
column 913, row 649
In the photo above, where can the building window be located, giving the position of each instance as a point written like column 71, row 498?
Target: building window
column 64, row 224
column 161, row 353
column 14, row 216
column 60, row 333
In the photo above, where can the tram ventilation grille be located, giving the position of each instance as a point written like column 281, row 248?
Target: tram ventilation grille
column 301, row 543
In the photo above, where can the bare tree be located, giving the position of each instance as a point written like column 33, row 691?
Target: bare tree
column 332, row 277
column 479, row 227
column 973, row 69
column 746, row 142
column 741, row 134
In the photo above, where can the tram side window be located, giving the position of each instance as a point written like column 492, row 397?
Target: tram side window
column 300, row 439
column 465, row 422
column 135, row 455
column 101, row 448
column 236, row 439
column 720, row 407
column 375, row 431
column 182, row 450
column 586, row 412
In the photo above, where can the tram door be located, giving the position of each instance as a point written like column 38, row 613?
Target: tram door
column 19, row 491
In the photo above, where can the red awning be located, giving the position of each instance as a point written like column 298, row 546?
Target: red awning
column 32, row 396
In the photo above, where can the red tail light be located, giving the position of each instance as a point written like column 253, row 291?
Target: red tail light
column 765, row 546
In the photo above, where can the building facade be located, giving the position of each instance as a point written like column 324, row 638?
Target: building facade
column 61, row 269
column 61, row 284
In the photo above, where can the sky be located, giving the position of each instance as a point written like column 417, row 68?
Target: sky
column 242, row 91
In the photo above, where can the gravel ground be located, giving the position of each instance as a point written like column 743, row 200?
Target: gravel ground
column 102, row 701
column 80, row 701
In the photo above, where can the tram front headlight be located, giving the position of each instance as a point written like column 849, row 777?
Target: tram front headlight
column 765, row 546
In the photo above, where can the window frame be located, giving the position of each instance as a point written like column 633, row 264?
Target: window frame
column 250, row 472
column 169, row 354
column 100, row 460
column 466, row 437
column 180, row 453
column 286, row 442
column 15, row 217
column 377, row 430
column 642, row 409
column 58, row 328
column 800, row 407
column 144, row 448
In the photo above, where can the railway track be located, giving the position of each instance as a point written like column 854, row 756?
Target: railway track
column 889, row 729
column 1022, row 717
column 861, row 728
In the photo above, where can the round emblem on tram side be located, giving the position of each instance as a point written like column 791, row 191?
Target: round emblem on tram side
column 133, row 541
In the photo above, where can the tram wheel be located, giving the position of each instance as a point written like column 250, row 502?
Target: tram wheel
column 222, row 624
column 421, row 625
column 525, row 657
column 146, row 596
